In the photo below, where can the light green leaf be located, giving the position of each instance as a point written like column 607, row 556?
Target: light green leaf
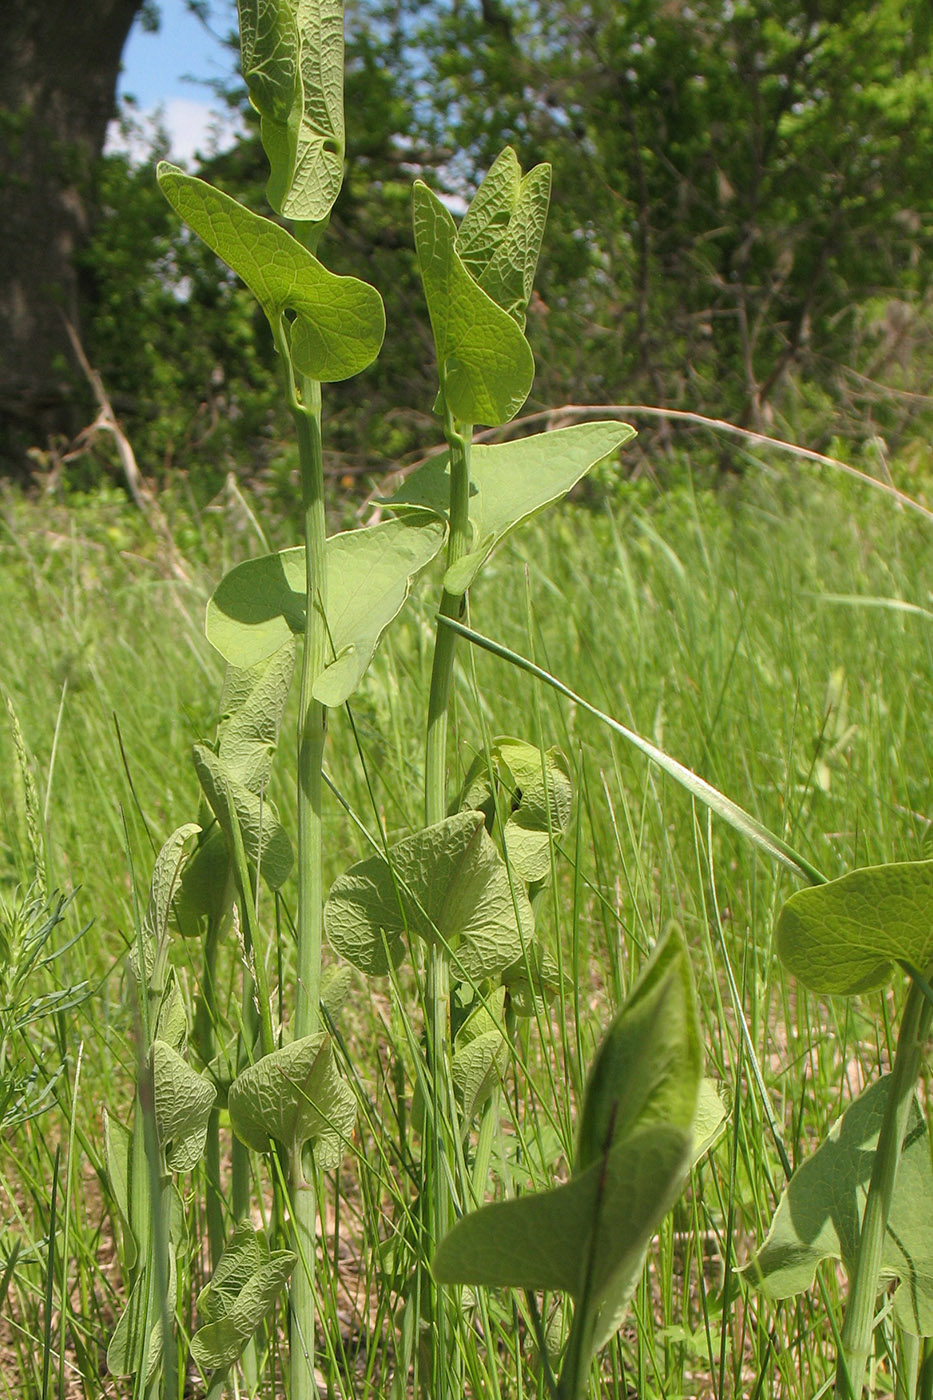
column 486, row 222
column 477, row 1068
column 541, row 799
column 260, row 604
column 292, row 54
column 244, row 1287
column 245, row 1252
column 118, row 1142
column 533, row 980
column 845, row 937
column 820, row 1212
column 336, row 982
column 509, row 277
column 172, row 1019
column 294, row 1095
column 588, row 1238
column 609, row 1212
column 509, row 483
column 500, row 236
column 708, row 1125
column 709, row 1121
column 485, row 363
column 164, row 882
column 205, row 891
column 251, row 707
column 445, row 884
column 127, row 1345
column 265, row 840
column 340, row 321
column 163, row 887
column 649, row 1065
column 183, row 1103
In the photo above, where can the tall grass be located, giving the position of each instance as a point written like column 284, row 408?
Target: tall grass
column 763, row 634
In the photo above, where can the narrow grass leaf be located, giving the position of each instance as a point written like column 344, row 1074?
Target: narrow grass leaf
column 736, row 817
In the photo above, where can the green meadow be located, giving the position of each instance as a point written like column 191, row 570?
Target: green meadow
column 772, row 634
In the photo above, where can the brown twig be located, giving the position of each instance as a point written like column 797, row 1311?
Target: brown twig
column 106, row 421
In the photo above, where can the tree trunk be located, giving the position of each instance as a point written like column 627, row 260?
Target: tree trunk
column 57, row 94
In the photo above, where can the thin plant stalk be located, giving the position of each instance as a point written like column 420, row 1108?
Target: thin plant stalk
column 860, row 1312
column 305, row 404
column 438, row 1153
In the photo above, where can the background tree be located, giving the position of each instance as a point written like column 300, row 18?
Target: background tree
column 57, row 95
column 737, row 182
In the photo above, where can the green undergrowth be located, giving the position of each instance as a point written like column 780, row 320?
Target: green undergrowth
column 775, row 636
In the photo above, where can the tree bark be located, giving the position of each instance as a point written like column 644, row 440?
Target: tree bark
column 57, row 95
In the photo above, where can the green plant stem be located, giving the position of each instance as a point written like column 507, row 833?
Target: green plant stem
column 205, row 1020
column 438, row 1151
column 860, row 1311
column 458, row 544
column 312, row 727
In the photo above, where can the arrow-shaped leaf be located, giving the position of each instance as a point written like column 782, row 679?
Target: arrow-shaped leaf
column 340, row 321
column 485, row 363
column 509, row 483
column 260, row 604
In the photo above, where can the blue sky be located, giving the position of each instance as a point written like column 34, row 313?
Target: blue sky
column 158, row 68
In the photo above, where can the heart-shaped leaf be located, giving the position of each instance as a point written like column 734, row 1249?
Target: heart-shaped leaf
column 846, row 936
column 183, row 1103
column 260, row 604
column 265, row 840
column 292, row 55
column 446, row 884
column 251, row 707
column 486, row 221
column 476, row 1069
column 485, row 364
column 340, row 321
column 242, row 1291
column 205, row 891
column 509, row 483
column 164, row 882
column 294, row 1095
column 820, row 1211
column 588, row 1237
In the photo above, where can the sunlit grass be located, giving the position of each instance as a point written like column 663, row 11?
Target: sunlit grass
column 720, row 626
